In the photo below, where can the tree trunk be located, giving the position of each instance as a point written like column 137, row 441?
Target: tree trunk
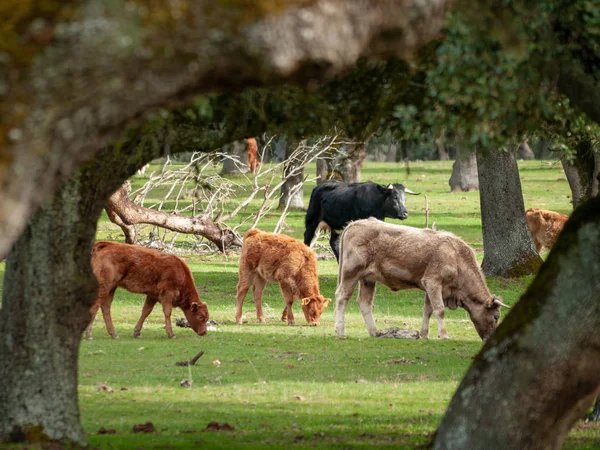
column 582, row 172
column 440, row 143
column 507, row 244
column 48, row 290
column 392, row 153
column 293, row 173
column 538, row 373
column 464, row 176
column 119, row 205
column 239, row 161
column 356, row 153
column 525, row 151
column 322, row 170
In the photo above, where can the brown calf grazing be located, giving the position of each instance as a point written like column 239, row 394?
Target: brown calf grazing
column 275, row 257
column 402, row 257
column 252, row 149
column 164, row 278
column 545, row 226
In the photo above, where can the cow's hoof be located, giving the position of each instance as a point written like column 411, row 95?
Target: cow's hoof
column 314, row 324
column 89, row 338
column 444, row 337
column 116, row 336
column 291, row 324
column 172, row 337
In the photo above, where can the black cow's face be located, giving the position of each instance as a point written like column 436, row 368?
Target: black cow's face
column 394, row 206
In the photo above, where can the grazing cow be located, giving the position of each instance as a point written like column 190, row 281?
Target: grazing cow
column 545, row 226
column 164, row 278
column 276, row 257
column 334, row 204
column 402, row 257
column 252, row 149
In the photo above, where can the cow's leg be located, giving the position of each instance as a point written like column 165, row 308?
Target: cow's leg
column 105, row 306
column 257, row 293
column 334, row 242
column 284, row 314
column 342, row 295
column 93, row 311
column 146, row 310
column 427, row 310
column 288, row 295
column 434, row 291
column 244, row 283
column 366, row 294
column 166, row 302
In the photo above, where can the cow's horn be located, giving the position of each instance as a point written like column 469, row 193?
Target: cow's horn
column 408, row 191
column 390, row 186
column 497, row 301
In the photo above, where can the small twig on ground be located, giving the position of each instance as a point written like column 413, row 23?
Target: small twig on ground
column 192, row 361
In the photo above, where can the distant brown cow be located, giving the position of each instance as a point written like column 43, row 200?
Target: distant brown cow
column 402, row 257
column 275, row 257
column 252, row 149
column 545, row 226
column 164, row 278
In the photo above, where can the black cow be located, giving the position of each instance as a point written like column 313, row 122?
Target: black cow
column 337, row 204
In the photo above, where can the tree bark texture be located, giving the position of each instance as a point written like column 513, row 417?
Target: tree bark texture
column 71, row 89
column 292, row 191
column 464, row 177
column 582, row 172
column 538, row 373
column 507, row 244
column 130, row 214
column 48, row 290
column 352, row 163
column 440, row 143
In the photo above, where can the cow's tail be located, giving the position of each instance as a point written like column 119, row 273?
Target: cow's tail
column 313, row 213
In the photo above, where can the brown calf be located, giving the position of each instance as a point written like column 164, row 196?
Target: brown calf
column 252, row 149
column 545, row 226
column 164, row 278
column 275, row 257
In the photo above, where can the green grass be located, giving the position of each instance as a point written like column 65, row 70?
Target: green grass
column 279, row 385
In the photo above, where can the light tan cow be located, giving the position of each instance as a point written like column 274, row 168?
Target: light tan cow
column 545, row 226
column 276, row 257
column 402, row 257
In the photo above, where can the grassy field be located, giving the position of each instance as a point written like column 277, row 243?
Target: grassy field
column 279, row 386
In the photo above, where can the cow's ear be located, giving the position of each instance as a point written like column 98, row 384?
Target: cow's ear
column 326, row 302
column 194, row 307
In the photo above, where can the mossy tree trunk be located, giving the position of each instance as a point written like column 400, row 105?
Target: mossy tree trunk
column 464, row 177
column 582, row 172
column 538, row 373
column 507, row 244
column 48, row 289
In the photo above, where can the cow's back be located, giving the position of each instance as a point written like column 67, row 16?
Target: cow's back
column 275, row 257
column 545, row 226
column 398, row 256
column 139, row 270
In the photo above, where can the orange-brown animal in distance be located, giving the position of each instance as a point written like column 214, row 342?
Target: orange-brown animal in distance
column 164, row 278
column 545, row 226
column 252, row 149
column 275, row 257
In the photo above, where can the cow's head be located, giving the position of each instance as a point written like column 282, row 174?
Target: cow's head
column 394, row 206
column 485, row 316
column 313, row 307
column 197, row 315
